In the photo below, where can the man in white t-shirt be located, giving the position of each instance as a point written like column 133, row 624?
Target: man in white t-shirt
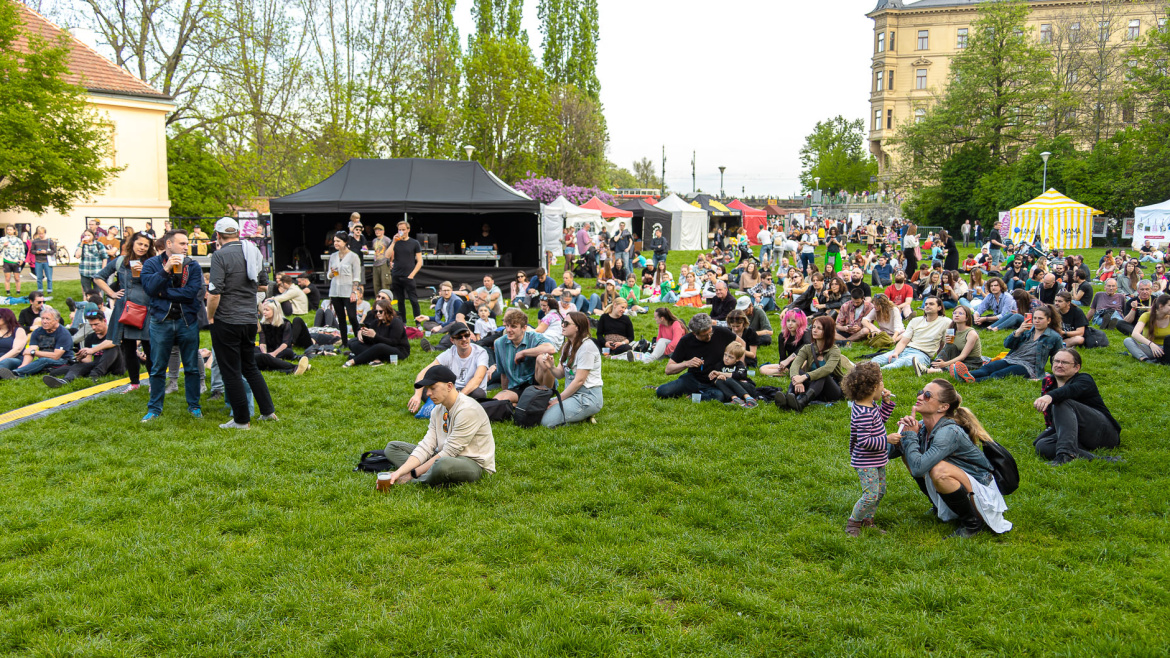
column 808, row 245
column 467, row 360
column 764, row 237
column 920, row 342
column 489, row 294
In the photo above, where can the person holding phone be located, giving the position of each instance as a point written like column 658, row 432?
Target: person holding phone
column 1032, row 346
column 127, row 270
column 1150, row 338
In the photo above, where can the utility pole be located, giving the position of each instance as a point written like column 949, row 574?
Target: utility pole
column 662, row 181
column 693, row 188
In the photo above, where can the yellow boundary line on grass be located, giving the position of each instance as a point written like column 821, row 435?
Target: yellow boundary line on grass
column 45, row 405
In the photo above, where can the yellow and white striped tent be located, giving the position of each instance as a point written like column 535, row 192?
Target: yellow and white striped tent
column 1061, row 222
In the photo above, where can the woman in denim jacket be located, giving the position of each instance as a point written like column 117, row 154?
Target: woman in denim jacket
column 942, row 454
column 1032, row 346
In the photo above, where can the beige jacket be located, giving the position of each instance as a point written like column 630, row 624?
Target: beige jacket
column 468, row 434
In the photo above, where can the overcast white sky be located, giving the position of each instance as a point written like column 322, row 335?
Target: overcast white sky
column 748, row 79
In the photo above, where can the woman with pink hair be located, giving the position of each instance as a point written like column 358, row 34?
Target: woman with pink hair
column 794, row 334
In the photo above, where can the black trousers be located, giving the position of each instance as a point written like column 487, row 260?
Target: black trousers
column 1076, row 429
column 130, row 357
column 731, row 388
column 235, row 352
column 364, row 353
column 825, row 389
column 276, row 361
column 343, row 308
column 110, row 363
column 403, row 289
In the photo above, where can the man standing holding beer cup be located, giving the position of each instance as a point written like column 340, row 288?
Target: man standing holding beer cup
column 237, row 272
column 173, row 283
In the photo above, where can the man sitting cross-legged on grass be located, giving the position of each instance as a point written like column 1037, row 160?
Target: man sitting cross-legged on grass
column 98, row 356
column 458, row 446
column 698, row 353
column 1075, row 417
column 921, row 340
column 48, row 347
column 467, row 360
column 516, row 353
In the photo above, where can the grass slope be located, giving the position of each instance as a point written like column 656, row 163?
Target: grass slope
column 668, row 528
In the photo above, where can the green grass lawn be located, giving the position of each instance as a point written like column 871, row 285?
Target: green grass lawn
column 667, row 528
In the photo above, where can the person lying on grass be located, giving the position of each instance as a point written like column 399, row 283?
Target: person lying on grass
column 920, row 341
column 458, row 446
column 943, row 455
column 467, row 360
column 1076, row 419
column 867, row 441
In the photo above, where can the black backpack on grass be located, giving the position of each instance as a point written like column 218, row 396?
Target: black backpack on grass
column 373, row 461
column 533, row 402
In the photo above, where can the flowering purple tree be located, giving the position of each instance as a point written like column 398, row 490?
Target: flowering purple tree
column 546, row 190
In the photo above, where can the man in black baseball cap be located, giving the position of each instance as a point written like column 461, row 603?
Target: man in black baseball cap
column 466, row 360
column 458, row 446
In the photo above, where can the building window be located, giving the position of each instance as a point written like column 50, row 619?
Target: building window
column 889, row 119
column 1161, row 26
column 1042, row 115
column 920, row 79
column 892, row 40
column 878, row 79
column 881, row 43
column 962, row 42
column 919, row 115
column 1070, row 115
column 877, row 119
column 890, row 83
column 924, row 39
column 1127, row 112
column 1071, row 77
column 1135, row 29
column 1129, row 67
column 1103, row 31
column 1046, row 33
column 1074, row 33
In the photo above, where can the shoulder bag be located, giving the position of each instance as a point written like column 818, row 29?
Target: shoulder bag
column 1003, row 467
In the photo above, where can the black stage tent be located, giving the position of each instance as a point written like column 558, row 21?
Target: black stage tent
column 647, row 218
column 450, row 199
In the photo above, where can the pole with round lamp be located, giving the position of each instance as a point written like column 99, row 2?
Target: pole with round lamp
column 470, row 149
column 721, row 170
column 817, row 182
column 1044, row 156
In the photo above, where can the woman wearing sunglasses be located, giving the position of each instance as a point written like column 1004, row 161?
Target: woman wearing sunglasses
column 580, row 366
column 942, row 453
column 379, row 340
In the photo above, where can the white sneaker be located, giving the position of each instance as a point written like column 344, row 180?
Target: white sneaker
column 233, row 425
column 271, row 416
column 302, row 366
column 171, row 388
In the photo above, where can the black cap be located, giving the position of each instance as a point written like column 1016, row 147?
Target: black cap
column 456, row 328
column 434, row 375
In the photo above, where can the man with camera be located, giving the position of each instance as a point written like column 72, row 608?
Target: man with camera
column 173, row 282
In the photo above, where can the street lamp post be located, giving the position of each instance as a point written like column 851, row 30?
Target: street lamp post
column 721, row 169
column 817, row 182
column 470, row 149
column 1044, row 156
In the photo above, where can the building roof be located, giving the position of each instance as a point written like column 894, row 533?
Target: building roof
column 86, row 67
column 923, row 4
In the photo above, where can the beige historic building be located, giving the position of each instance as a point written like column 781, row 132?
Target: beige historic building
column 915, row 41
column 138, row 115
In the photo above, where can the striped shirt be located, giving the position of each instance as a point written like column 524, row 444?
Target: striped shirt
column 867, row 435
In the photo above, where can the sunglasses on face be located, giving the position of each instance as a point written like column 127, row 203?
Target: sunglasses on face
column 463, row 335
column 925, row 394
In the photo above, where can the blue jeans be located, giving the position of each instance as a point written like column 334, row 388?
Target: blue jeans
column 686, row 384
column 996, row 256
column 808, row 262
column 999, row 370
column 1105, row 315
column 1148, row 259
column 37, row 366
column 766, row 249
column 581, row 405
column 668, row 297
column 44, row 271
column 165, row 334
column 768, row 304
column 11, row 363
column 1010, row 321
column 659, row 259
column 904, row 360
column 586, row 306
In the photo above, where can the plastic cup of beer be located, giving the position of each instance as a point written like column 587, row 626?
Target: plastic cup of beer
column 383, row 483
column 696, row 397
column 950, row 336
column 136, row 268
column 393, row 359
column 605, row 350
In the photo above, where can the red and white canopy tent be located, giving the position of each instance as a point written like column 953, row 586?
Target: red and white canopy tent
column 754, row 219
column 607, row 211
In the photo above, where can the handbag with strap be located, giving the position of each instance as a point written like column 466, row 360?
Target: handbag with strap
column 1003, row 467
column 133, row 314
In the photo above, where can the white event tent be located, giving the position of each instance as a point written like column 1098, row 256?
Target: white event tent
column 1152, row 223
column 554, row 217
column 688, row 224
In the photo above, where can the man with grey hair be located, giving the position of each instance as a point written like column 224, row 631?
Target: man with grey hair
column 699, row 353
column 1135, row 306
column 722, row 303
column 47, row 347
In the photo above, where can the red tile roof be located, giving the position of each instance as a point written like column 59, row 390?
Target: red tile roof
column 87, row 68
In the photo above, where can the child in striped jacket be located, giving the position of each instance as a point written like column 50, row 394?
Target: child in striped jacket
column 867, row 440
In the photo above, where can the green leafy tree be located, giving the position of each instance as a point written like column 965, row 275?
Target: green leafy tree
column 617, row 178
column 575, row 151
column 197, row 182
column 435, row 81
column 646, row 173
column 1147, row 142
column 835, row 152
column 54, row 149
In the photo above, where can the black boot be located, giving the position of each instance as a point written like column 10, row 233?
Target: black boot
column 801, row 401
column 922, row 485
column 970, row 523
column 781, row 400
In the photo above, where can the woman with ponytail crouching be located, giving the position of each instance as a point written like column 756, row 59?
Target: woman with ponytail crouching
column 942, row 453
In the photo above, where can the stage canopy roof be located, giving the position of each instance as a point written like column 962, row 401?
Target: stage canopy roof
column 716, row 209
column 639, row 208
column 754, row 219
column 605, row 209
column 1151, row 223
column 408, row 185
